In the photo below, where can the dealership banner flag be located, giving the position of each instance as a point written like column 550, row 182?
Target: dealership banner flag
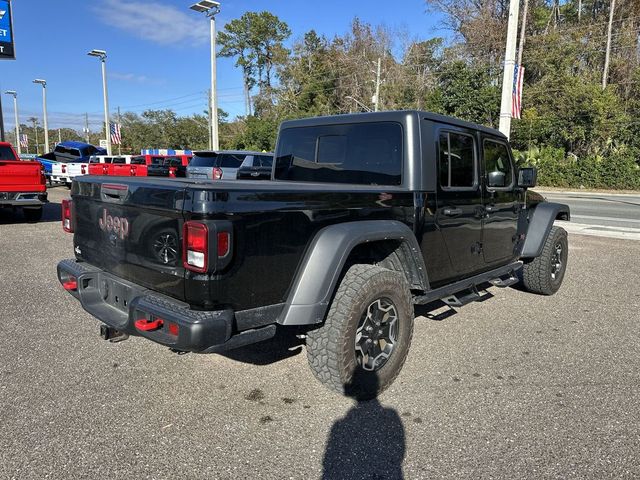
column 24, row 141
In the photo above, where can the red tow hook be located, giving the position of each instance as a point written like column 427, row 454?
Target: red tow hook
column 70, row 285
column 148, row 326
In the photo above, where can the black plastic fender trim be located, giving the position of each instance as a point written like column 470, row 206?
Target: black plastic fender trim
column 540, row 222
column 318, row 275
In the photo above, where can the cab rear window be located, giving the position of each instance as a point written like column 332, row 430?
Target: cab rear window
column 6, row 153
column 358, row 153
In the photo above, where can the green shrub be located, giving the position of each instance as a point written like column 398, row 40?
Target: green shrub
column 617, row 168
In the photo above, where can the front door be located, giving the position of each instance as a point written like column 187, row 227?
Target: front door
column 501, row 202
column 460, row 210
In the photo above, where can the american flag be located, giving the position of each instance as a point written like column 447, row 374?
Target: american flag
column 516, row 96
column 116, row 138
column 24, row 140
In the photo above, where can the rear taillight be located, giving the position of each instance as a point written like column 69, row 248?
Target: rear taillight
column 172, row 172
column 67, row 225
column 132, row 170
column 217, row 173
column 195, row 247
column 64, row 169
column 83, row 169
column 105, row 169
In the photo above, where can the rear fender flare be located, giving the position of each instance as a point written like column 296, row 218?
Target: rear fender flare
column 320, row 270
column 540, row 222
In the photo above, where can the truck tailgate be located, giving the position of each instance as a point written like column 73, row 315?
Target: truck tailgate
column 17, row 176
column 131, row 229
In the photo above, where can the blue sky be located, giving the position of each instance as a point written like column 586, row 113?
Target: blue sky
column 158, row 52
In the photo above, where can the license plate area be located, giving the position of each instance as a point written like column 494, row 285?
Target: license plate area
column 115, row 293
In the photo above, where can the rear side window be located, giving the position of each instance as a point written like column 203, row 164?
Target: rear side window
column 457, row 161
column 118, row 160
column 137, row 161
column 6, row 153
column 359, row 153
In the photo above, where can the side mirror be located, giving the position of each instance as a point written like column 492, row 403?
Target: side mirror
column 497, row 179
column 527, row 177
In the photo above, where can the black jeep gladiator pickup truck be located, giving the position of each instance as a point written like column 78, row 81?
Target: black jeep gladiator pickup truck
column 366, row 216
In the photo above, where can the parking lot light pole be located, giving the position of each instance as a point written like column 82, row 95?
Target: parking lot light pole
column 15, row 112
column 44, row 112
column 102, row 55
column 211, row 8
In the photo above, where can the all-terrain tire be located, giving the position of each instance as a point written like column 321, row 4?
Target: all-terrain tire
column 331, row 348
column 545, row 273
column 32, row 214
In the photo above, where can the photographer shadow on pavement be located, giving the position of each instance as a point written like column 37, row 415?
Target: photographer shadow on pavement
column 368, row 442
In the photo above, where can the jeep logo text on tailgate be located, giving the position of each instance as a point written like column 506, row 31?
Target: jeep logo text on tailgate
column 117, row 225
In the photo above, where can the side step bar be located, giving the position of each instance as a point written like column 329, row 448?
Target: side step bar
column 466, row 291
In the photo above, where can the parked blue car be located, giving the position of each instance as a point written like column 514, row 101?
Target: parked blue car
column 68, row 152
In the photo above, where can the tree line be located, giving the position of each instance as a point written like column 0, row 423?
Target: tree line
column 575, row 130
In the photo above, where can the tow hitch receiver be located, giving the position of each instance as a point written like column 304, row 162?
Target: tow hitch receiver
column 111, row 334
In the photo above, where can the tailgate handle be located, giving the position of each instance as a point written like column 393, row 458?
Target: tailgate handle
column 113, row 191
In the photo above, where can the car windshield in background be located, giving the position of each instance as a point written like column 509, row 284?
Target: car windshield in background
column 6, row 154
column 211, row 159
column 358, row 153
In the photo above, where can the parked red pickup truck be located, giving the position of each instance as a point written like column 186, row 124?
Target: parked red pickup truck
column 22, row 183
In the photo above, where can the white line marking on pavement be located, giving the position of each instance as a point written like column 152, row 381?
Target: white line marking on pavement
column 607, row 219
column 624, row 233
column 589, row 194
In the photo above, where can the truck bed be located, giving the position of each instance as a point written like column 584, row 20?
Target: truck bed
column 272, row 223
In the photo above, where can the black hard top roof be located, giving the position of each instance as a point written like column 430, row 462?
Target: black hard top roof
column 388, row 116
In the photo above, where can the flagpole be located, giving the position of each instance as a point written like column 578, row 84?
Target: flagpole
column 509, row 67
column 119, row 128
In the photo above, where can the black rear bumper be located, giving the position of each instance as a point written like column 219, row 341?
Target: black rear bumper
column 130, row 308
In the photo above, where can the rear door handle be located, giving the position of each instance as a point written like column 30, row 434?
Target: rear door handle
column 451, row 212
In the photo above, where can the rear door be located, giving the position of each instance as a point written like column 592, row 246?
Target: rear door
column 501, row 202
column 132, row 230
column 459, row 199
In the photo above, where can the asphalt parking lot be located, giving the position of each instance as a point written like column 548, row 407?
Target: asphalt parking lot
column 519, row 386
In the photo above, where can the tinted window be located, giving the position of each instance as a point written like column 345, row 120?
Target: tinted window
column 362, row 153
column 157, row 160
column 496, row 159
column 118, row 160
column 108, row 159
column 211, row 159
column 457, row 160
column 230, row 160
column 6, row 154
column 265, row 161
column 137, row 161
column 203, row 159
